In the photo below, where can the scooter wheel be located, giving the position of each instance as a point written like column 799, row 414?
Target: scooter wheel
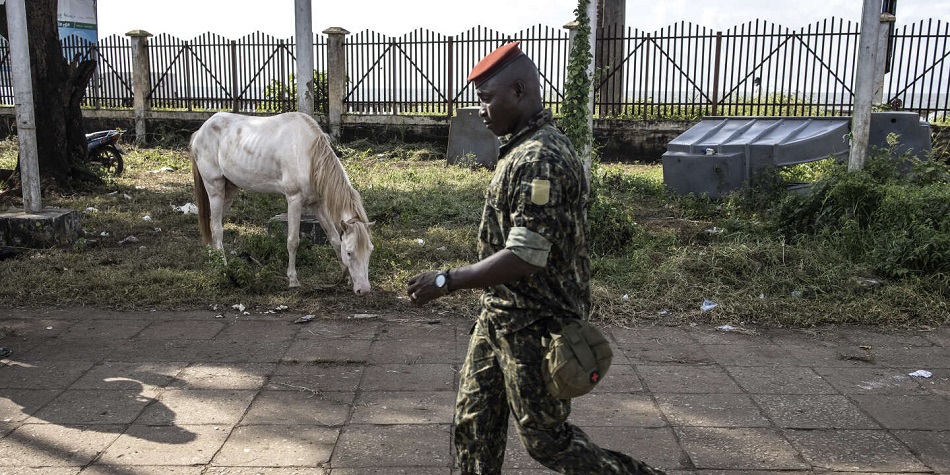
column 108, row 158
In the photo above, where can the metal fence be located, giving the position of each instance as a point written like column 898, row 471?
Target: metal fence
column 919, row 77
column 210, row 72
column 425, row 73
column 762, row 68
column 683, row 71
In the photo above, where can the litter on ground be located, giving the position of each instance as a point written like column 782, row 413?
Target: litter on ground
column 708, row 305
column 305, row 319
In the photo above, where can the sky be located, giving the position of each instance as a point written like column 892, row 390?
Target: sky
column 236, row 18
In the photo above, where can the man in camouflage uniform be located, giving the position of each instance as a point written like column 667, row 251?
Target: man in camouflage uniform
column 535, row 269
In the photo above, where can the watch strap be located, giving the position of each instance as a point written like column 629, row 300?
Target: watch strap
column 448, row 281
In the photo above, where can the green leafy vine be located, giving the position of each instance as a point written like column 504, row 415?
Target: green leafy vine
column 577, row 89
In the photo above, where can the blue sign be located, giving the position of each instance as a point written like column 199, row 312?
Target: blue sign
column 78, row 18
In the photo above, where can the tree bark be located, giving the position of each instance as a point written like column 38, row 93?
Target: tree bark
column 58, row 88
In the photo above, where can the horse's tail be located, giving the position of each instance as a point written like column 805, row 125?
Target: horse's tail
column 201, row 200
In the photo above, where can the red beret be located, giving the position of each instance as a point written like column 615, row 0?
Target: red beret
column 494, row 62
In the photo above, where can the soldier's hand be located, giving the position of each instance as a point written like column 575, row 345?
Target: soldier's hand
column 422, row 288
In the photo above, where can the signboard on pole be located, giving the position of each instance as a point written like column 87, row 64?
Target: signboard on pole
column 78, row 18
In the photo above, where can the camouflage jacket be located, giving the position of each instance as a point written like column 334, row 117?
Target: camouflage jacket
column 536, row 206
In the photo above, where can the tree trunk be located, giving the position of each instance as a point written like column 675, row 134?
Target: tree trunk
column 79, row 74
column 58, row 89
column 49, row 73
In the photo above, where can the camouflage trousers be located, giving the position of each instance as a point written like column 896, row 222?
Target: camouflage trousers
column 501, row 377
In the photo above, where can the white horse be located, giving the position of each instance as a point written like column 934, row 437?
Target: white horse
column 288, row 154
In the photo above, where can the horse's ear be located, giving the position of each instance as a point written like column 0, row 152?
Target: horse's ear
column 370, row 224
column 345, row 224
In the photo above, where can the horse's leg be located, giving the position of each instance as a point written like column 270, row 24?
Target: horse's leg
column 217, row 200
column 294, row 209
column 221, row 200
column 230, row 193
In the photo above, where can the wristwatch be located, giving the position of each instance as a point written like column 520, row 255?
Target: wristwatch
column 442, row 280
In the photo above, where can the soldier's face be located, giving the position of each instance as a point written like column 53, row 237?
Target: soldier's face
column 499, row 106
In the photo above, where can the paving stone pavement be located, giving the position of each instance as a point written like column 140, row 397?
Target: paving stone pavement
column 186, row 393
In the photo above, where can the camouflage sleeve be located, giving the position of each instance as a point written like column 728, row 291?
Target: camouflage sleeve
column 530, row 246
column 539, row 210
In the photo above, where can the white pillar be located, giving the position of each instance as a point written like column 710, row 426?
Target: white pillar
column 23, row 98
column 303, row 19
column 864, row 83
column 336, row 78
column 141, row 83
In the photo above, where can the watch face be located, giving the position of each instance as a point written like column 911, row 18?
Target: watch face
column 440, row 280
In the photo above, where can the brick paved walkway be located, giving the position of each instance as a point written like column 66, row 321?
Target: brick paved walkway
column 188, row 393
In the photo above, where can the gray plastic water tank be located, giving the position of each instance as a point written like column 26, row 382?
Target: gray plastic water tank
column 719, row 155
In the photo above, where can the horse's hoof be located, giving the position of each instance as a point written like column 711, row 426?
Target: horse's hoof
column 293, row 284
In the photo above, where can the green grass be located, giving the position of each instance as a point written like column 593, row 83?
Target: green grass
column 656, row 257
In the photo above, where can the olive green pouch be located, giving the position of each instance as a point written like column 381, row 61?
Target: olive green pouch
column 577, row 358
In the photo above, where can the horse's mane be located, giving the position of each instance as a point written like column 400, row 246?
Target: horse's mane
column 330, row 182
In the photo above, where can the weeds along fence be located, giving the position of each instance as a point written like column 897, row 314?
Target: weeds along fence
column 683, row 71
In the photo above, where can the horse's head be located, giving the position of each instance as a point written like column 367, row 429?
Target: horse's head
column 355, row 249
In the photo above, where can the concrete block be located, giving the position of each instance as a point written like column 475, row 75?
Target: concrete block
column 47, row 228
column 310, row 228
column 913, row 133
column 722, row 154
column 714, row 176
column 470, row 142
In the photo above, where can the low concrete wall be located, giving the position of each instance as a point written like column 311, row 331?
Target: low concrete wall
column 629, row 141
column 616, row 140
column 625, row 141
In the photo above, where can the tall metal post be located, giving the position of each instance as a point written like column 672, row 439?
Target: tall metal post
column 23, row 98
column 885, row 30
column 450, row 76
column 303, row 19
column 864, row 83
column 717, row 63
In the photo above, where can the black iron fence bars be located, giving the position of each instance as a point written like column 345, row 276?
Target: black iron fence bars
column 683, row 71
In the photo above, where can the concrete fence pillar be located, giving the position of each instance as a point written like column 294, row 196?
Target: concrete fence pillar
column 336, row 77
column 884, row 34
column 141, row 82
column 610, row 55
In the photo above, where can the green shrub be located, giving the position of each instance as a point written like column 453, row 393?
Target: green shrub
column 895, row 221
column 614, row 195
column 255, row 261
column 282, row 97
column 612, row 227
column 910, row 231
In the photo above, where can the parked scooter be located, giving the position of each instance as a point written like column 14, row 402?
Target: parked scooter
column 104, row 150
